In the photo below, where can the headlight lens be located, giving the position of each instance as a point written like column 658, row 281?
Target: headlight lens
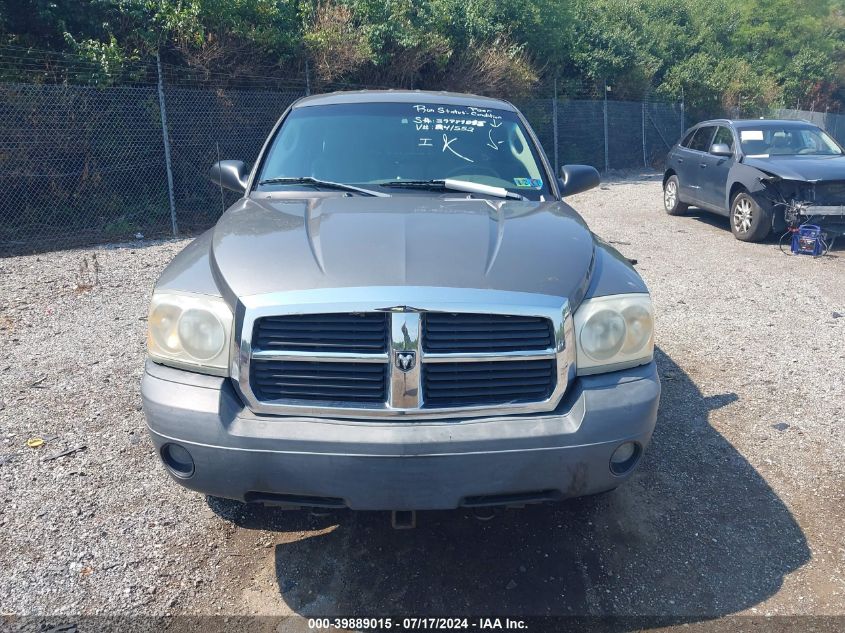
column 614, row 332
column 603, row 335
column 190, row 331
column 163, row 322
column 201, row 333
column 639, row 328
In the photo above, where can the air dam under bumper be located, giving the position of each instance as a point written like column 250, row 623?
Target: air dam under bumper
column 396, row 465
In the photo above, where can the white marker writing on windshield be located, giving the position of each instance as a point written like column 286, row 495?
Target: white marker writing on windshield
column 447, row 144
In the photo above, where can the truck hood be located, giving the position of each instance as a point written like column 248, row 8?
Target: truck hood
column 808, row 168
column 268, row 244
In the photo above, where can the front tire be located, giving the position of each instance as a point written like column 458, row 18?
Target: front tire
column 671, row 197
column 749, row 221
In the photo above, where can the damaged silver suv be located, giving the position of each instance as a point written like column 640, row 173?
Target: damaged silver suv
column 400, row 313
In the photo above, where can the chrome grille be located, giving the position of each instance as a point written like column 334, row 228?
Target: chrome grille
column 449, row 332
column 354, row 352
column 490, row 383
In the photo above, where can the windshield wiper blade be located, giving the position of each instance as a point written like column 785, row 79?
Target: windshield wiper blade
column 316, row 182
column 454, row 185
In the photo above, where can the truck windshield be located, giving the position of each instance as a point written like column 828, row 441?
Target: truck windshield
column 771, row 140
column 369, row 144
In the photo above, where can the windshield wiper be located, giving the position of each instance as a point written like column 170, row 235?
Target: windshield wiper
column 326, row 184
column 452, row 184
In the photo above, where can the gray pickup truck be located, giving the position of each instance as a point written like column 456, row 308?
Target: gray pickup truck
column 400, row 313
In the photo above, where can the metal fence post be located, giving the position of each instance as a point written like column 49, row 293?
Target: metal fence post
column 606, row 155
column 554, row 128
column 645, row 156
column 166, row 140
column 307, row 79
column 683, row 127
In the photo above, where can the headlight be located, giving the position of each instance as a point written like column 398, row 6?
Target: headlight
column 614, row 332
column 190, row 331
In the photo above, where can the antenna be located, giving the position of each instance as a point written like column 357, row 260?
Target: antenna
column 220, row 182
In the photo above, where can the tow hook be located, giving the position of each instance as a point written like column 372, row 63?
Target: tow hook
column 403, row 519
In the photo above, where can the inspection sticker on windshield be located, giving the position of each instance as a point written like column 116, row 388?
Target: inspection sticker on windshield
column 751, row 135
column 531, row 183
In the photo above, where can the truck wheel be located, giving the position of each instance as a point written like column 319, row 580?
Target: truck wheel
column 749, row 221
column 671, row 197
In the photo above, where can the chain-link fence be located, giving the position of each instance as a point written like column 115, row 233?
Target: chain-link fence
column 833, row 124
column 199, row 121
column 81, row 164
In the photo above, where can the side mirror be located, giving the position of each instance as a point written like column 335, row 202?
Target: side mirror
column 578, row 178
column 721, row 149
column 231, row 174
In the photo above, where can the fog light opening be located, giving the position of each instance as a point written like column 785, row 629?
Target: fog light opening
column 178, row 460
column 624, row 458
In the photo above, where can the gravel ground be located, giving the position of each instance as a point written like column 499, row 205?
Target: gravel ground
column 738, row 506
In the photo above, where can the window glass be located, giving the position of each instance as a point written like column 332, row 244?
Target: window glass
column 687, row 139
column 724, row 136
column 372, row 143
column 773, row 140
column 701, row 140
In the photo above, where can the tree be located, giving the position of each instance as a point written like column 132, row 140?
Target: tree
column 722, row 53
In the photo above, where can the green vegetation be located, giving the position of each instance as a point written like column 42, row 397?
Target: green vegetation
column 747, row 54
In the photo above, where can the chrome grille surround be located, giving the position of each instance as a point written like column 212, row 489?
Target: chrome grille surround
column 405, row 305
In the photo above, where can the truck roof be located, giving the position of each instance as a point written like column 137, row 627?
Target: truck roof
column 403, row 96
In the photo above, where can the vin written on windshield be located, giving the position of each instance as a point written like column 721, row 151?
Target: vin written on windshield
column 456, row 121
column 376, row 143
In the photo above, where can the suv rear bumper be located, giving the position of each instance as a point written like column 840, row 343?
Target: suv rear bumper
column 394, row 465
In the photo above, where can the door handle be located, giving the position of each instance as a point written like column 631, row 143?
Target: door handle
column 704, row 165
column 680, row 160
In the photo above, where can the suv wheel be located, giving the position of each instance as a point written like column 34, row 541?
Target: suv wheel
column 749, row 221
column 671, row 198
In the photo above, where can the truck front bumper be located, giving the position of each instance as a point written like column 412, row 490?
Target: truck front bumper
column 395, row 465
